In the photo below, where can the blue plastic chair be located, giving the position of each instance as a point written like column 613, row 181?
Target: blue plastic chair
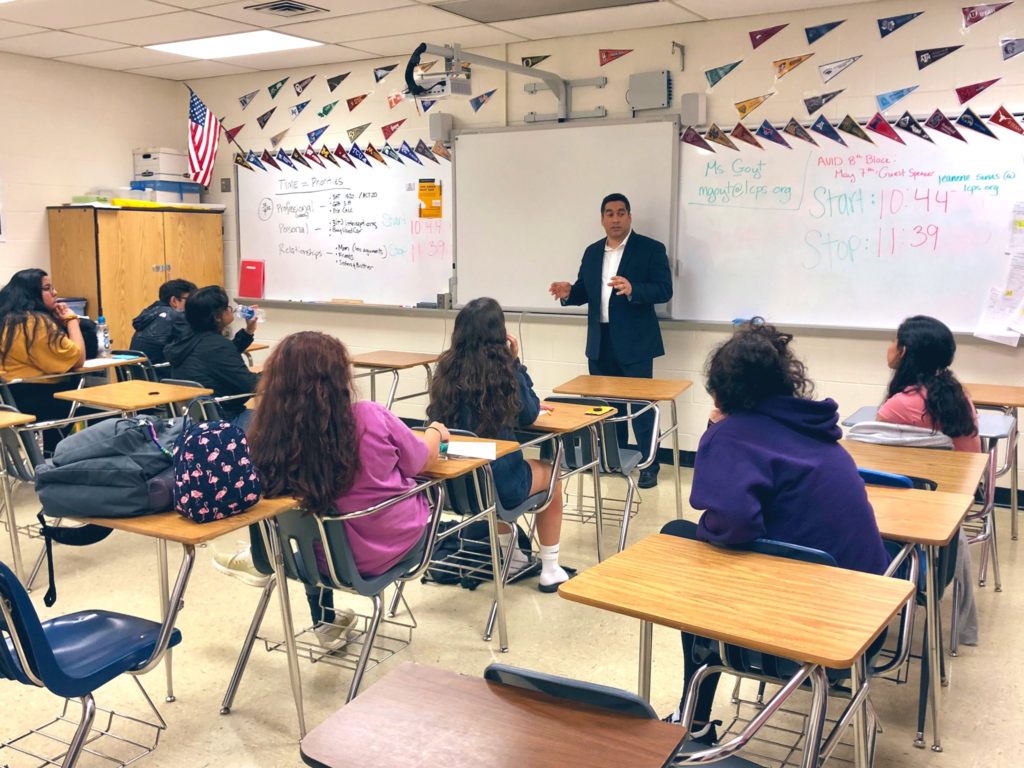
column 887, row 479
column 73, row 655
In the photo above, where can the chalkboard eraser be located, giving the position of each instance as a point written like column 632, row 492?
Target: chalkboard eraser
column 426, row 305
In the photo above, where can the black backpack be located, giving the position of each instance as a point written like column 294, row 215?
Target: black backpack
column 474, row 539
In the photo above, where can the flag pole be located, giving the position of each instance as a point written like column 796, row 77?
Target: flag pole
column 230, row 137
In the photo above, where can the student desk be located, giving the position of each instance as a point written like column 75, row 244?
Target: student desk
column 170, row 526
column 1007, row 399
column 952, row 471
column 9, row 420
column 383, row 361
column 471, row 721
column 131, row 396
column 256, row 368
column 815, row 614
column 931, row 519
column 254, row 347
column 646, row 392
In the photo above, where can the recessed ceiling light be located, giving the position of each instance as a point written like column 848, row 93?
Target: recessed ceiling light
column 226, row 46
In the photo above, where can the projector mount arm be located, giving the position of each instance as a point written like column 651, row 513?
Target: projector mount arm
column 454, row 58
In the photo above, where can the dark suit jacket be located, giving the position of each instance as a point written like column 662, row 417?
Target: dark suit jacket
column 632, row 322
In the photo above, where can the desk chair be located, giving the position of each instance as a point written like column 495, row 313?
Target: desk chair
column 592, row 694
column 142, row 370
column 72, row 656
column 296, row 532
column 992, row 427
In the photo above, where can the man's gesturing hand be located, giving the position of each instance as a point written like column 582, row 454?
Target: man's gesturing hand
column 621, row 286
column 560, row 290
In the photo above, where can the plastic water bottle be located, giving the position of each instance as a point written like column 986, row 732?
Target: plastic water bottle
column 102, row 338
column 245, row 313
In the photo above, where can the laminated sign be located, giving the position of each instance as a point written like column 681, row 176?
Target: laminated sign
column 430, row 199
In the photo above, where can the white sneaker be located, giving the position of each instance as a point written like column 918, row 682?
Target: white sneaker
column 333, row 637
column 239, row 564
column 520, row 562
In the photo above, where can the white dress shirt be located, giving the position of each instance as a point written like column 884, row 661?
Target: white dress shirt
column 609, row 268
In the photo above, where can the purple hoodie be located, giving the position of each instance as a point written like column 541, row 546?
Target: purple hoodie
column 778, row 472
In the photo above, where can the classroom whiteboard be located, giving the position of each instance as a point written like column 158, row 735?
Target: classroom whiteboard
column 848, row 237
column 343, row 233
column 528, row 202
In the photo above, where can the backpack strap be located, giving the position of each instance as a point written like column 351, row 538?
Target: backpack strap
column 78, row 536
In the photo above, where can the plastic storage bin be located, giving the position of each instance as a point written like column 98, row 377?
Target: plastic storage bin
column 170, row 191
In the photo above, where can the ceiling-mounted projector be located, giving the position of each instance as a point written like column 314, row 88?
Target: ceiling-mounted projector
column 442, row 85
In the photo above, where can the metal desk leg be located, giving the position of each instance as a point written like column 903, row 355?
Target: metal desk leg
column 861, row 739
column 499, row 591
column 596, row 471
column 934, row 641
column 675, row 461
column 646, row 641
column 815, row 718
column 165, row 601
column 1013, row 482
column 373, row 385
column 12, row 523
column 394, row 389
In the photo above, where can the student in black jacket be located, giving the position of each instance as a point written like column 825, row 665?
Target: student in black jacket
column 207, row 356
column 162, row 321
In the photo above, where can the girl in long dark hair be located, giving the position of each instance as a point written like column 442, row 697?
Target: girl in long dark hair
column 481, row 386
column 923, row 391
column 309, row 439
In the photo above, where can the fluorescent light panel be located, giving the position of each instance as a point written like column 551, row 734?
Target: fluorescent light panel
column 226, row 46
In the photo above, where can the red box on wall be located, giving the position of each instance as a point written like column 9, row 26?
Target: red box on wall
column 250, row 280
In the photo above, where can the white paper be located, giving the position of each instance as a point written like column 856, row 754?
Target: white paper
column 463, row 450
column 997, row 313
column 1017, row 227
column 1015, row 288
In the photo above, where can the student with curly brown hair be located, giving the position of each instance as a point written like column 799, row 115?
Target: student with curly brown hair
column 481, row 386
column 770, row 466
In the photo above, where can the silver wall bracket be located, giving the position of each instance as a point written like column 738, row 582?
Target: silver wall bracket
column 590, row 82
column 682, row 54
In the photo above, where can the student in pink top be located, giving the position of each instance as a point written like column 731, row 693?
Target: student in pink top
column 310, row 440
column 923, row 391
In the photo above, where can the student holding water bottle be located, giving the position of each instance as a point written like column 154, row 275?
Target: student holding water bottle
column 205, row 355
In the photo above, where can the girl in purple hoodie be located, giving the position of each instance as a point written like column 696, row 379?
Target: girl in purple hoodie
column 770, row 467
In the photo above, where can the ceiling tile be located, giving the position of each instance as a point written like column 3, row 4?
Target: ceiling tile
column 237, row 11
column 488, row 11
column 398, row 21
column 125, row 58
column 468, row 37
column 190, row 70
column 48, row 45
column 601, row 20
column 301, row 57
column 716, row 9
column 191, row 4
column 10, row 29
column 63, row 14
column 169, row 28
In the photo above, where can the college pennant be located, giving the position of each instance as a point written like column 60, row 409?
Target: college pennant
column 716, row 75
column 425, row 66
column 379, row 73
column 881, row 126
column 326, row 154
column 761, row 36
column 355, row 133
column 970, row 120
column 239, row 160
column 939, row 122
column 910, row 125
column 340, row 152
column 1012, row 47
column 533, row 61
column 276, row 87
column 1005, row 119
column 326, row 110
column 395, row 99
column 389, row 129
column 886, row 100
column 389, row 152
column 316, row 134
column 819, row 31
column 263, row 119
column 297, row 109
column 749, row 105
column 480, row 100
column 275, row 140
column 975, row 13
column 358, row 154
column 268, row 158
column 767, row 131
column 247, row 99
column 814, row 103
column 793, row 128
column 835, row 68
column 233, row 132
column 715, row 134
column 967, row 92
column 826, row 129
column 253, row 160
column 608, row 55
column 852, row 127
column 929, row 56
column 298, row 158
column 890, row 24
column 441, row 150
column 334, row 82
column 424, row 150
column 314, row 156
column 406, row 151
column 355, row 101
column 784, row 66
column 741, row 132
column 690, row 136
column 302, row 85
column 372, row 152
column 283, row 157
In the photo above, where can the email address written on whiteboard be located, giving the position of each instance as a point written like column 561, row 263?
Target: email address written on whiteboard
column 864, row 206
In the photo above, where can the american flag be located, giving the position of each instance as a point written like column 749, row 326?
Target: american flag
column 203, row 137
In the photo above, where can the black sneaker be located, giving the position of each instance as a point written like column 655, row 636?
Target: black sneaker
column 648, row 479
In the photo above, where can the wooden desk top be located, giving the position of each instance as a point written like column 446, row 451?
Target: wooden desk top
column 567, row 417
column 132, row 395
column 257, row 347
column 447, row 469
column 811, row 613
column 474, row 722
column 256, row 368
column 173, row 527
column 630, row 389
column 916, row 516
column 398, row 361
column 996, row 394
column 953, row 471
column 11, row 419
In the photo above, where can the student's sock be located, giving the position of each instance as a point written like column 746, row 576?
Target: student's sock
column 551, row 572
column 519, row 558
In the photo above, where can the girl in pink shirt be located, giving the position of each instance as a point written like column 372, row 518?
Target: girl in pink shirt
column 923, row 391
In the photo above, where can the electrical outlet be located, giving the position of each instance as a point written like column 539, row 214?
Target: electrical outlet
column 225, row 185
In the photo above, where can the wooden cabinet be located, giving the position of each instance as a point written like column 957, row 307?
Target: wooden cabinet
column 117, row 259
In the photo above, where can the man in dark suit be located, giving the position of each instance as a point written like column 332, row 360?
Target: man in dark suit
column 621, row 279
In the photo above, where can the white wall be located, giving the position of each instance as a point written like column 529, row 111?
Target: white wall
column 65, row 129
